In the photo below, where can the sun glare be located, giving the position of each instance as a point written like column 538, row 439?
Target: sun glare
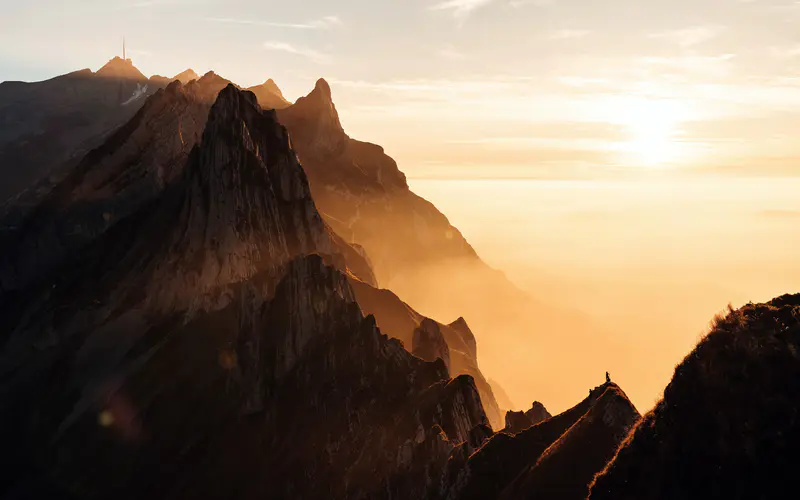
column 652, row 128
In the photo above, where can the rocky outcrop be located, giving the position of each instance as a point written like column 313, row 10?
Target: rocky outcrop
column 726, row 427
column 556, row 458
column 195, row 350
column 429, row 344
column 566, row 468
column 517, row 421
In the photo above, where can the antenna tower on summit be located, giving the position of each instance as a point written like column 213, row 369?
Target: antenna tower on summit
column 124, row 56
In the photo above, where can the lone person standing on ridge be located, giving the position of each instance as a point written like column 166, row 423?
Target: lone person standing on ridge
column 608, row 379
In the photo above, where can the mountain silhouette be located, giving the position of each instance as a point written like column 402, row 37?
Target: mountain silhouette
column 201, row 351
column 726, row 427
column 556, row 458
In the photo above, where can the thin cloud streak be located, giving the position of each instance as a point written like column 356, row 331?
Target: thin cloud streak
column 326, row 22
column 461, row 8
column 689, row 37
column 311, row 54
column 568, row 34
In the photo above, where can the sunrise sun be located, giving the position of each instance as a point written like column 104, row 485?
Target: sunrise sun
column 652, row 129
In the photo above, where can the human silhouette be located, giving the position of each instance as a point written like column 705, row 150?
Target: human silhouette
column 608, row 378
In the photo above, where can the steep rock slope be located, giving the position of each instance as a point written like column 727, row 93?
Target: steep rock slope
column 399, row 320
column 194, row 350
column 556, row 458
column 727, row 426
column 133, row 167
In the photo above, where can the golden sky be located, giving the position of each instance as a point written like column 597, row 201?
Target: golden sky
column 637, row 96
column 475, row 88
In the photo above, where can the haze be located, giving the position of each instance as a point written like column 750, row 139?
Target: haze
column 630, row 161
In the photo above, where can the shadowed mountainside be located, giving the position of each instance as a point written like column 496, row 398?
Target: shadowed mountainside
column 194, row 349
column 727, row 426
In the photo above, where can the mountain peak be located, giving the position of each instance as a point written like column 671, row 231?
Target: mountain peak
column 120, row 68
column 186, row 76
column 269, row 95
column 316, row 113
column 323, row 88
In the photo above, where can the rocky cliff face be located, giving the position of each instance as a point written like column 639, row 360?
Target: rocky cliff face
column 429, row 343
column 726, row 427
column 195, row 349
column 556, row 458
column 517, row 421
column 399, row 320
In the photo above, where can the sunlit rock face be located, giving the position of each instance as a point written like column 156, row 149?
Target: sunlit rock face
column 269, row 96
column 195, row 349
column 429, row 344
column 556, row 458
column 726, row 427
column 363, row 193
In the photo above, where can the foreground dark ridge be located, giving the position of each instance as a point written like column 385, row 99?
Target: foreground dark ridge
column 555, row 458
column 727, row 426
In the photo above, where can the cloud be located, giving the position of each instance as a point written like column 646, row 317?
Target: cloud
column 452, row 54
column 313, row 55
column 537, row 3
column 786, row 52
column 568, row 34
column 324, row 23
column 689, row 37
column 461, row 8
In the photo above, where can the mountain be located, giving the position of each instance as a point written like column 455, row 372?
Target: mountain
column 125, row 173
column 269, row 95
column 556, row 458
column 113, row 181
column 46, row 124
column 186, row 76
column 397, row 319
column 133, row 168
column 120, row 69
column 196, row 349
column 420, row 256
column 727, row 425
column 413, row 249
column 517, row 421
